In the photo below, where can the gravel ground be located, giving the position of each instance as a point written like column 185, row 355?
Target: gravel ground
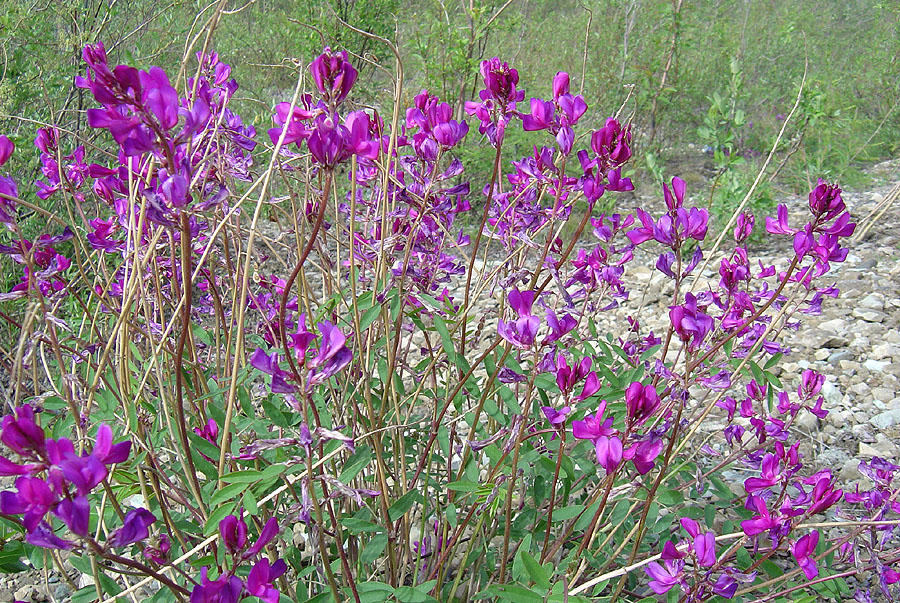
column 855, row 342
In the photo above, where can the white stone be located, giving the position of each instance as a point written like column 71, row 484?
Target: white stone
column 875, row 366
column 886, row 419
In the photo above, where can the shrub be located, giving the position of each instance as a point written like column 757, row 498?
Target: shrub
column 381, row 406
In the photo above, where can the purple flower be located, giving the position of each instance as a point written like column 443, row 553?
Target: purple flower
column 333, row 75
column 269, row 531
column 234, row 534
column 225, row 589
column 557, row 116
column 825, row 200
column 333, row 354
column 662, row 579
column 332, row 143
column 802, row 550
column 160, row 97
column 75, row 513
column 297, row 131
column 159, row 553
column 134, row 528
column 259, row 582
column 607, row 445
column 107, row 452
column 568, row 377
column 83, row 472
column 33, row 498
column 498, row 99
column 643, row 454
column 611, row 144
column 810, row 384
column 760, row 523
column 558, row 326
column 744, row 228
column 678, row 187
column 641, row 401
column 6, row 149
column 42, row 535
column 522, row 332
column 22, row 435
column 691, row 325
column 770, row 475
column 556, row 417
column 269, row 365
column 725, row 586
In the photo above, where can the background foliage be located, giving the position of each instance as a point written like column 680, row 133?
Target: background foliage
column 749, row 52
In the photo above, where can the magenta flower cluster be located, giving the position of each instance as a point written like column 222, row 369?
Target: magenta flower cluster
column 52, row 478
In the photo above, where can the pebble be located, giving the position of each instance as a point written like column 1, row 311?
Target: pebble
column 886, row 419
column 875, row 365
column 873, row 301
column 836, row 357
column 869, row 315
column 884, row 350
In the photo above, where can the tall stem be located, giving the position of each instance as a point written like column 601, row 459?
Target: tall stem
column 181, row 421
column 326, row 190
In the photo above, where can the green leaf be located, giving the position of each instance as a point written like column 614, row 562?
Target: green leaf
column 247, row 476
column 670, row 497
column 510, row 592
column 274, row 413
column 249, row 501
column 109, row 585
column 463, row 486
column 226, row 493
column 773, row 361
column 537, row 573
column 355, row 464
column 203, row 445
column 373, row 592
column 85, row 595
column 757, row 373
column 404, row 504
column 567, row 512
column 373, row 549
column 358, row 526
column 212, row 524
column 410, row 594
column 369, row 317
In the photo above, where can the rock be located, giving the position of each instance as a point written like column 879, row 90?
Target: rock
column 850, row 470
column 833, row 395
column 836, row 357
column 884, row 350
column 848, row 367
column 883, row 394
column 824, row 338
column 869, row 315
column 868, row 264
column 886, row 419
column 873, row 301
column 863, row 432
column 835, row 325
column 885, row 447
column 822, row 354
column 867, row 451
column 807, row 421
column 860, row 389
column 875, row 366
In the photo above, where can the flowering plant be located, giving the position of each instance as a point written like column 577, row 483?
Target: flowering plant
column 378, row 405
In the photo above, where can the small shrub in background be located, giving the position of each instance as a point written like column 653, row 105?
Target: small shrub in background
column 381, row 405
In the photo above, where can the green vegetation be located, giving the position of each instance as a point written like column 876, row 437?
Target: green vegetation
column 720, row 74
